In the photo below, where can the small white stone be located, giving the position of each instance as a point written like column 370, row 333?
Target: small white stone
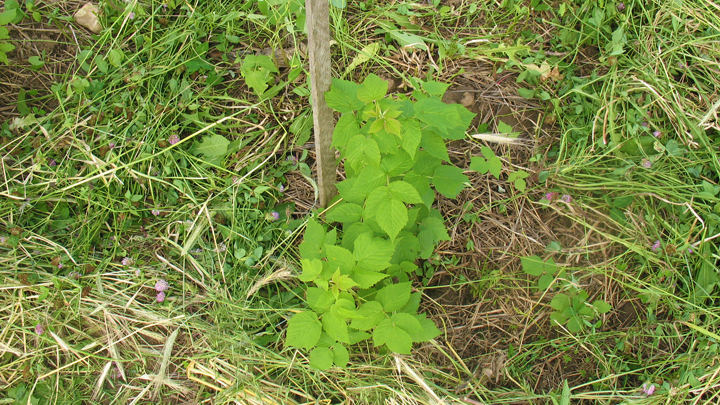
column 87, row 16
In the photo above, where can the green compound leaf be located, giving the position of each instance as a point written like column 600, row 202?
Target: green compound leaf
column 421, row 183
column 339, row 258
column 602, row 306
column 321, row 358
column 362, row 151
column 411, row 136
column 493, row 164
column 353, row 232
column 404, row 192
column 335, row 325
column 394, row 337
column 435, row 88
column 372, row 313
column 437, row 114
column 394, row 296
column 449, row 180
column 257, row 71
column 368, row 180
column 560, row 302
column 433, row 144
column 213, row 148
column 535, row 266
column 346, row 127
column 373, row 254
column 409, row 324
column 318, row 299
column 311, row 269
column 342, row 96
column 341, row 357
column 372, row 89
column 345, row 212
column 366, row 279
column 303, row 330
column 392, row 215
column 430, row 329
column 313, row 240
column 397, row 164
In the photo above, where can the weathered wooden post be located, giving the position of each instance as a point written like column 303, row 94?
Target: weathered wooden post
column 318, row 27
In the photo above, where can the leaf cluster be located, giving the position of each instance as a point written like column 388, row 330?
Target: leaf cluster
column 395, row 160
column 571, row 309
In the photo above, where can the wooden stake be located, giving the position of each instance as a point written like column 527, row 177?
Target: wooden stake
column 318, row 27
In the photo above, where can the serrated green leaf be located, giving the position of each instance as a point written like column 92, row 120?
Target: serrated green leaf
column 347, row 191
column 392, row 215
column 435, row 224
column 602, row 306
column 346, row 128
column 458, row 131
column 372, row 313
column 430, row 329
column 535, row 266
column 344, row 282
column 372, row 89
column 545, row 281
column 404, row 192
column 435, row 88
column 396, row 164
column 211, row 147
column 560, row 302
column 352, row 232
column 115, row 57
column 258, row 71
column 433, row 144
column 409, row 324
column 369, row 179
column 341, row 357
column 311, row 269
column 366, row 279
column 421, row 183
column 520, row 184
column 318, row 299
column 574, row 325
column 339, row 258
column 342, row 96
column 525, row 93
column 411, row 135
column 365, row 54
column 362, row 151
column 373, row 254
column 303, row 330
column 345, row 212
column 504, row 128
column 357, row 336
column 394, row 296
column 394, row 337
column 493, row 164
column 335, row 325
column 8, row 16
column 413, row 304
column 313, row 240
column 321, row 358
column 437, row 114
column 449, row 180
column 407, row 248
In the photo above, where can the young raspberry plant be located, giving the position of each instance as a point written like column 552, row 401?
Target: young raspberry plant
column 357, row 266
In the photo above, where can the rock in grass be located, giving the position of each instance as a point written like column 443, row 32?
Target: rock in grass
column 87, row 16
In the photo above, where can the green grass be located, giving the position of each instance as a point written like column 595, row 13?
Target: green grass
column 98, row 180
